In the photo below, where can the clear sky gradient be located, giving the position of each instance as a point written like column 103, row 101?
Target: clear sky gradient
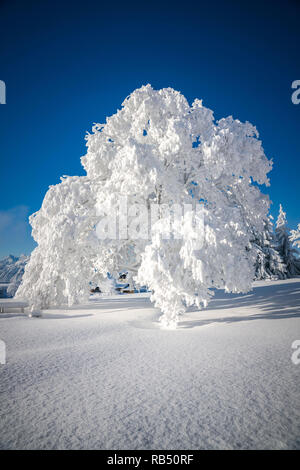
column 69, row 64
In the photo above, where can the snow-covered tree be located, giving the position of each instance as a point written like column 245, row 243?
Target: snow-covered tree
column 61, row 266
column 203, row 253
column 284, row 245
column 295, row 236
column 156, row 150
column 269, row 263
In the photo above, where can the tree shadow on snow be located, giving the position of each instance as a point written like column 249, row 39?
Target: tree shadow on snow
column 55, row 316
column 272, row 302
column 114, row 305
column 47, row 315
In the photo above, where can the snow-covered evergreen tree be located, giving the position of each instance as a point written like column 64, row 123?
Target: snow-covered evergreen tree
column 295, row 236
column 156, row 149
column 269, row 263
column 284, row 245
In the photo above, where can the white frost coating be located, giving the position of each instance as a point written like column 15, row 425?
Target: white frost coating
column 156, row 149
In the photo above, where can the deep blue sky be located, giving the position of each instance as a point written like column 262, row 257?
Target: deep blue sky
column 69, row 64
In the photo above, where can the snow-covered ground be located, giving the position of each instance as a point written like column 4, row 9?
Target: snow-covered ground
column 104, row 375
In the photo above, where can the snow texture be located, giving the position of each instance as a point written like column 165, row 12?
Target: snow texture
column 105, row 376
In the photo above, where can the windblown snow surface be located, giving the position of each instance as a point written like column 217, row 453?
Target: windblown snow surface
column 105, row 376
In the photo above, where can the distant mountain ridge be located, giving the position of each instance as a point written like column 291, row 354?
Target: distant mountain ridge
column 11, row 273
